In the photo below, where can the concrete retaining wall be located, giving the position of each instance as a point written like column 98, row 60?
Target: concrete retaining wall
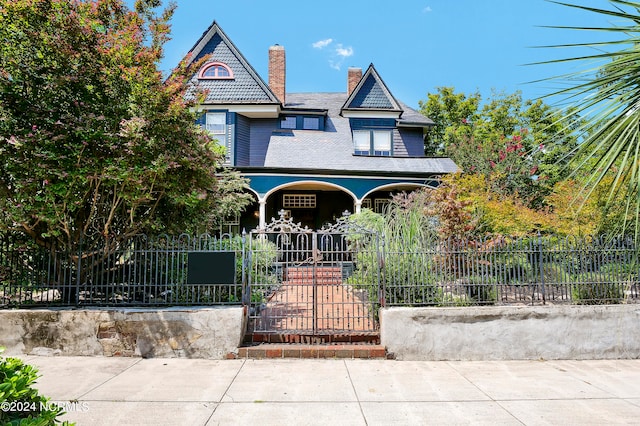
column 512, row 333
column 164, row 333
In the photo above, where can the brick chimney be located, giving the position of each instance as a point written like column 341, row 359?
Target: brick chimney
column 354, row 77
column 277, row 71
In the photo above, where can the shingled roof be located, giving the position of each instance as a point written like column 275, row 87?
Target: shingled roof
column 371, row 94
column 332, row 149
column 246, row 86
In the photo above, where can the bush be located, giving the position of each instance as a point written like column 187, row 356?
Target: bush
column 595, row 289
column 511, row 269
column 21, row 403
column 408, row 249
column 481, row 290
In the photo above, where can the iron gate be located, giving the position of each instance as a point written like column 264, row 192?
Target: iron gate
column 313, row 286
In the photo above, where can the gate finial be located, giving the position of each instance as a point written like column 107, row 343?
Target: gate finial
column 283, row 224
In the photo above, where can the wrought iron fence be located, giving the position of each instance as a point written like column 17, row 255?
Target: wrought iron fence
column 303, row 283
column 137, row 272
column 155, row 271
column 536, row 270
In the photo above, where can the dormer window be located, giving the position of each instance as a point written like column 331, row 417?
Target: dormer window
column 311, row 123
column 289, row 122
column 302, row 122
column 372, row 142
column 216, row 71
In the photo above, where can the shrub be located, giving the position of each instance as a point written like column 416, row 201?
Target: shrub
column 596, row 289
column 481, row 290
column 21, row 403
column 408, row 253
column 511, row 269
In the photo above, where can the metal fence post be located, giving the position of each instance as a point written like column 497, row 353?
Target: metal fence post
column 246, row 296
column 381, row 270
column 79, row 271
column 540, row 254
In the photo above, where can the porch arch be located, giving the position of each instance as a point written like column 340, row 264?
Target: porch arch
column 400, row 186
column 306, row 183
column 301, row 185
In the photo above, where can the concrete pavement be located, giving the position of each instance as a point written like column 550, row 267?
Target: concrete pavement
column 135, row 391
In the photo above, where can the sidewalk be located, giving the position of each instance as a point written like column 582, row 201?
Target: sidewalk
column 134, row 391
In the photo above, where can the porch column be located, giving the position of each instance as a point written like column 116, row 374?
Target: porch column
column 263, row 209
column 358, row 206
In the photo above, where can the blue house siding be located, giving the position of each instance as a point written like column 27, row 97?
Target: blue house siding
column 408, row 143
column 243, row 141
column 261, row 130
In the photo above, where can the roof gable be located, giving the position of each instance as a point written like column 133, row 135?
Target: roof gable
column 245, row 87
column 371, row 94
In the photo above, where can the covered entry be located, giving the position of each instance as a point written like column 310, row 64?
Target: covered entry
column 316, row 199
column 313, row 286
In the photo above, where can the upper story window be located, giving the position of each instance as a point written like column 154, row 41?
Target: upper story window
column 372, row 142
column 310, row 123
column 301, row 122
column 216, row 71
column 216, row 123
column 288, row 122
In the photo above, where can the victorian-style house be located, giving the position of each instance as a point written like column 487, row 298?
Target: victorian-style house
column 313, row 155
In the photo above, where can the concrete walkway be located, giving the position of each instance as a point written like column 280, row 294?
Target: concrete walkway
column 134, row 391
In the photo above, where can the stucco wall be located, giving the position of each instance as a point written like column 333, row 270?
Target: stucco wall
column 168, row 333
column 512, row 333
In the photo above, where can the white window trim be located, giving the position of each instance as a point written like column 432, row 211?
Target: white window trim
column 372, row 149
column 298, row 201
column 221, row 128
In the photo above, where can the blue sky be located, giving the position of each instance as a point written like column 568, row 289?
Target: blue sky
column 416, row 45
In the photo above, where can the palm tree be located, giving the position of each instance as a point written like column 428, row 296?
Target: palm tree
column 606, row 94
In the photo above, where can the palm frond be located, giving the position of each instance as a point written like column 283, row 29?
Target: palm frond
column 606, row 94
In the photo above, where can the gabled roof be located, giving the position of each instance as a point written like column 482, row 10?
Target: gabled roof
column 246, row 87
column 412, row 118
column 332, row 149
column 371, row 94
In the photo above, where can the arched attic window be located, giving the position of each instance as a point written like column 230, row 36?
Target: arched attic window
column 215, row 71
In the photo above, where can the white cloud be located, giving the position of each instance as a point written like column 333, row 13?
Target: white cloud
column 427, row 9
column 320, row 44
column 344, row 52
column 337, row 54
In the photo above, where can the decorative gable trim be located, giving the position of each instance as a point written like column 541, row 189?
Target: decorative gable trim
column 371, row 98
column 206, row 37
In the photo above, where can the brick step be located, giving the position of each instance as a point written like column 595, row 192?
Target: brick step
column 272, row 351
column 309, row 274
column 317, row 269
column 301, row 337
column 310, row 282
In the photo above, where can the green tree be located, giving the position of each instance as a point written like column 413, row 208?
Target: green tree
column 512, row 143
column 95, row 145
column 606, row 92
column 451, row 113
